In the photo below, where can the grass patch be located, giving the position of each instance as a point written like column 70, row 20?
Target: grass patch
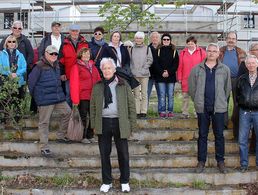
column 154, row 184
column 199, row 184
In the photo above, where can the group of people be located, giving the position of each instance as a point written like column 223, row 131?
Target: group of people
column 69, row 72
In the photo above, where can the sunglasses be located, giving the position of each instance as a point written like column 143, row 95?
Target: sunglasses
column 11, row 41
column 17, row 28
column 97, row 33
column 166, row 39
column 53, row 54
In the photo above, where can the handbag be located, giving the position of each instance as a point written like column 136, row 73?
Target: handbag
column 75, row 127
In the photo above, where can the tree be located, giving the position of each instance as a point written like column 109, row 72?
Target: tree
column 119, row 16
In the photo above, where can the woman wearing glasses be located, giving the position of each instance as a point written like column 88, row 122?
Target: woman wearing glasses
column 97, row 45
column 165, row 68
column 13, row 66
column 84, row 75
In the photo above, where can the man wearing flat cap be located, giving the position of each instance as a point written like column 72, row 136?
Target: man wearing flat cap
column 45, row 88
column 55, row 38
column 73, row 43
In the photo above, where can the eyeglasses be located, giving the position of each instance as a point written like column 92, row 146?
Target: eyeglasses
column 53, row 54
column 97, row 33
column 166, row 39
column 11, row 41
column 17, row 28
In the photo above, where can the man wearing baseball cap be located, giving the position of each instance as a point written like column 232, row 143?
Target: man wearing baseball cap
column 45, row 87
column 55, row 38
column 73, row 43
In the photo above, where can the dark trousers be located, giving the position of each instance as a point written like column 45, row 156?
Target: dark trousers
column 110, row 129
column 218, row 127
column 84, row 110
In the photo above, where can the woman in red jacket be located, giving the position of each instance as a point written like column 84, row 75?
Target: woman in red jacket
column 188, row 58
column 83, row 76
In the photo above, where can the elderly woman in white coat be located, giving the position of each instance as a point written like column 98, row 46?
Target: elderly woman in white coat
column 141, row 59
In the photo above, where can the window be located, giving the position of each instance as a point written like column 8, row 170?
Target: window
column 24, row 18
column 8, row 20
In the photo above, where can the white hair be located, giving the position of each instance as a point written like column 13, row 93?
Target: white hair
column 212, row 45
column 139, row 34
column 251, row 57
column 17, row 22
column 106, row 61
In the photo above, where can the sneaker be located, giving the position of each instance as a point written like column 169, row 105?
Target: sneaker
column 200, row 167
column 125, row 187
column 92, row 140
column 105, row 187
column 143, row 115
column 221, row 167
column 86, row 141
column 243, row 169
column 170, row 114
column 185, row 116
column 139, row 116
column 63, row 140
column 46, row 153
column 162, row 115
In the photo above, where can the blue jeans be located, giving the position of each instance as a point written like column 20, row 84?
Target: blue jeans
column 67, row 93
column 218, row 127
column 166, row 94
column 246, row 120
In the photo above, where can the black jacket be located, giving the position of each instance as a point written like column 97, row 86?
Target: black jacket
column 110, row 52
column 46, row 41
column 168, row 59
column 247, row 96
column 155, row 59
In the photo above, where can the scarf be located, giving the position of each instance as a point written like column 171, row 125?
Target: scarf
column 12, row 59
column 107, row 92
column 100, row 42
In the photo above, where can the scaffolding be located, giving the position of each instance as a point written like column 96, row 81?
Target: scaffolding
column 226, row 19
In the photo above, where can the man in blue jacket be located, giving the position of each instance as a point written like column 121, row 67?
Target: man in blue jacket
column 45, row 87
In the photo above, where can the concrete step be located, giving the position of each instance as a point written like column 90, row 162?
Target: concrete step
column 135, row 148
column 153, row 191
column 139, row 134
column 149, row 123
column 184, row 176
column 136, row 161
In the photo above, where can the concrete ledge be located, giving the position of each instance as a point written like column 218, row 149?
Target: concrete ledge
column 136, row 161
column 135, row 148
column 174, row 191
column 139, row 134
column 186, row 176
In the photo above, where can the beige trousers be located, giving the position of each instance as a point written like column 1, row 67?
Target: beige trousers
column 45, row 113
column 141, row 96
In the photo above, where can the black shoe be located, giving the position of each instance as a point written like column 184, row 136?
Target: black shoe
column 243, row 169
column 64, row 140
column 221, row 167
column 139, row 116
column 46, row 153
column 143, row 115
column 200, row 167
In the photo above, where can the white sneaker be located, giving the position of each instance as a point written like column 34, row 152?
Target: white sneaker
column 85, row 141
column 105, row 187
column 125, row 187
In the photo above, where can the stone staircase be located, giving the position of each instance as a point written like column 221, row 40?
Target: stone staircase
column 163, row 156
